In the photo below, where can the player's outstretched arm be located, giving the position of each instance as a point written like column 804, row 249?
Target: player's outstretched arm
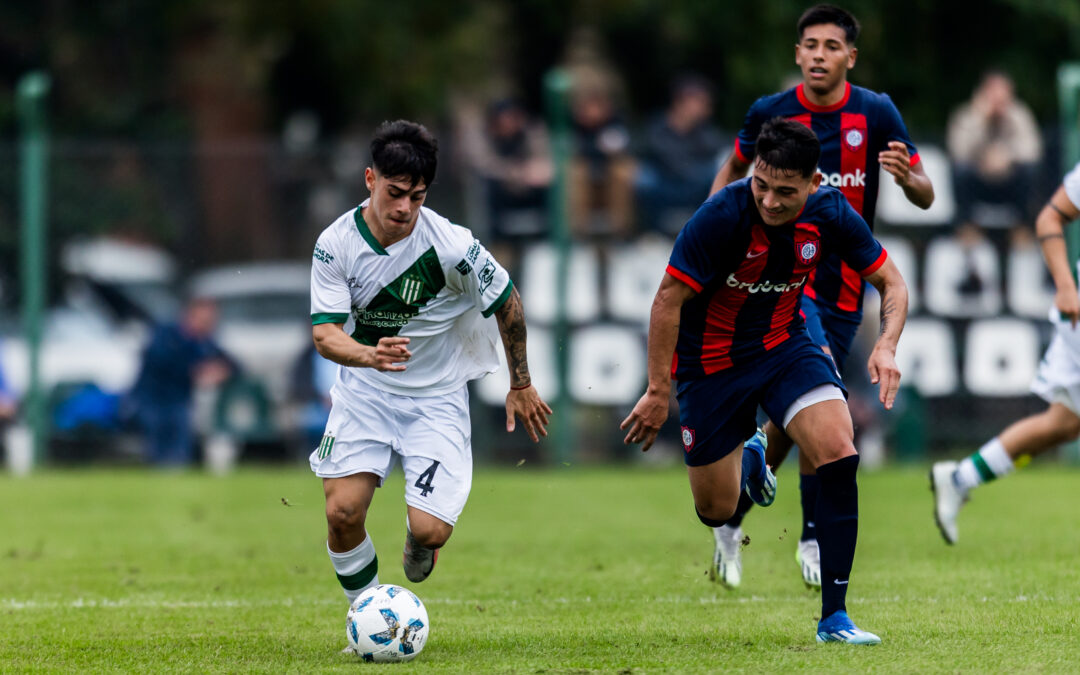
column 732, row 170
column 1050, row 229
column 331, row 341
column 912, row 179
column 894, row 306
column 522, row 400
column 651, row 411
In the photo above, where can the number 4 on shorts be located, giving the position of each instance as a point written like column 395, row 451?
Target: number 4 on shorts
column 424, row 481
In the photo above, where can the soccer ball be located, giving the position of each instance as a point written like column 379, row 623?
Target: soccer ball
column 387, row 623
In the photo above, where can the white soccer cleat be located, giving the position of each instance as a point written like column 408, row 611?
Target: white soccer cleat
column 808, row 556
column 727, row 556
column 948, row 498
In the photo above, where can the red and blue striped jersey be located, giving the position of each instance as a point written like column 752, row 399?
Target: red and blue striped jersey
column 750, row 277
column 852, row 132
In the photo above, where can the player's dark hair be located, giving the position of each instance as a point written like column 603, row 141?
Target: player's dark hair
column 789, row 146
column 824, row 14
column 405, row 149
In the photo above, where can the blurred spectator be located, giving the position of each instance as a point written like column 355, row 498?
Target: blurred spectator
column 8, row 403
column 514, row 159
column 680, row 156
column 994, row 145
column 312, row 377
column 602, row 169
column 180, row 357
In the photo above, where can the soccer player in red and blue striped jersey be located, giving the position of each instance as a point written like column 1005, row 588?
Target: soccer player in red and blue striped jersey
column 726, row 325
column 860, row 131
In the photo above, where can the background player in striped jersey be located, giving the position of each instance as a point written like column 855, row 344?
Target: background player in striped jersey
column 728, row 312
column 1057, row 381
column 418, row 291
column 859, row 131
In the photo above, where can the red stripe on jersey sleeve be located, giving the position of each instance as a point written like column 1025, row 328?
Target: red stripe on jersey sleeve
column 876, row 265
column 685, row 278
column 915, row 159
column 739, row 153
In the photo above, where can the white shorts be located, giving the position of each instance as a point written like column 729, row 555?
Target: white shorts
column 370, row 429
column 1058, row 377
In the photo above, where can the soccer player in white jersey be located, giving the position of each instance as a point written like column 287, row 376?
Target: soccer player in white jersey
column 401, row 298
column 1057, row 381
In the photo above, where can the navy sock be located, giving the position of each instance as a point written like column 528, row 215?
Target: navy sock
column 837, row 529
column 809, row 486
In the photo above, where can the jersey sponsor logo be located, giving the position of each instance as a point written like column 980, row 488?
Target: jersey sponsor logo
column 400, row 300
column 486, row 275
column 473, row 252
column 463, row 267
column 837, row 180
column 322, row 255
column 763, row 287
column 807, row 251
column 688, row 438
column 853, row 138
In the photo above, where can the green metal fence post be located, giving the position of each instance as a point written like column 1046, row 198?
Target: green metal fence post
column 556, row 97
column 33, row 153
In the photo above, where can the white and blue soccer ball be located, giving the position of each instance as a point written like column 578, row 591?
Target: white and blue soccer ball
column 387, row 623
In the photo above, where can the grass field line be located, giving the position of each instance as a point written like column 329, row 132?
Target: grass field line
column 16, row 604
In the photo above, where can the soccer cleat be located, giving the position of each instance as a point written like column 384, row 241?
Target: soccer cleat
column 948, row 498
column 727, row 556
column 808, row 557
column 418, row 561
column 840, row 628
column 760, row 488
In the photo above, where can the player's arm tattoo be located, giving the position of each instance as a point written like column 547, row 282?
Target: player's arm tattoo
column 888, row 314
column 511, row 318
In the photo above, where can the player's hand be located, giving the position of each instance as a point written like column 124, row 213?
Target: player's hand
column 896, row 161
column 1068, row 304
column 883, row 371
column 527, row 404
column 646, row 419
column 390, row 354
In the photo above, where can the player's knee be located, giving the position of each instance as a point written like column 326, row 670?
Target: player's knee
column 1064, row 422
column 1070, row 428
column 716, row 511
column 431, row 533
column 344, row 518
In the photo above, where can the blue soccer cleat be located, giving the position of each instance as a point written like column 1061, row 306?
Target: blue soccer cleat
column 761, row 488
column 839, row 628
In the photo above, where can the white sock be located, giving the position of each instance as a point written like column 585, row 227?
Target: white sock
column 989, row 463
column 357, row 570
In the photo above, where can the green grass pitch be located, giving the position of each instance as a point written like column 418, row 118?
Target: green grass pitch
column 549, row 571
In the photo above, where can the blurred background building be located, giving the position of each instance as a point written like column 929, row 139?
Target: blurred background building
column 198, row 148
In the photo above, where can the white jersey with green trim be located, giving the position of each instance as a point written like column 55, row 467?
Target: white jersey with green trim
column 438, row 287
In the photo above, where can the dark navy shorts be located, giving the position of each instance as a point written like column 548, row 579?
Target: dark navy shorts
column 717, row 412
column 829, row 327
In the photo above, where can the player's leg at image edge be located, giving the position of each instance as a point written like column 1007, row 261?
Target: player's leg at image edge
column 952, row 483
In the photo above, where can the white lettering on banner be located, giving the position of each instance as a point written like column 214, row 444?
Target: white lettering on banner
column 836, row 180
column 767, row 287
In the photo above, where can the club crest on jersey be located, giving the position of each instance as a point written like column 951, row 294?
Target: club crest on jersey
column 807, row 251
column 853, row 138
column 410, row 289
column 688, row 438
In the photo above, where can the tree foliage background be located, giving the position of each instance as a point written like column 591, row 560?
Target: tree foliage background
column 144, row 68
